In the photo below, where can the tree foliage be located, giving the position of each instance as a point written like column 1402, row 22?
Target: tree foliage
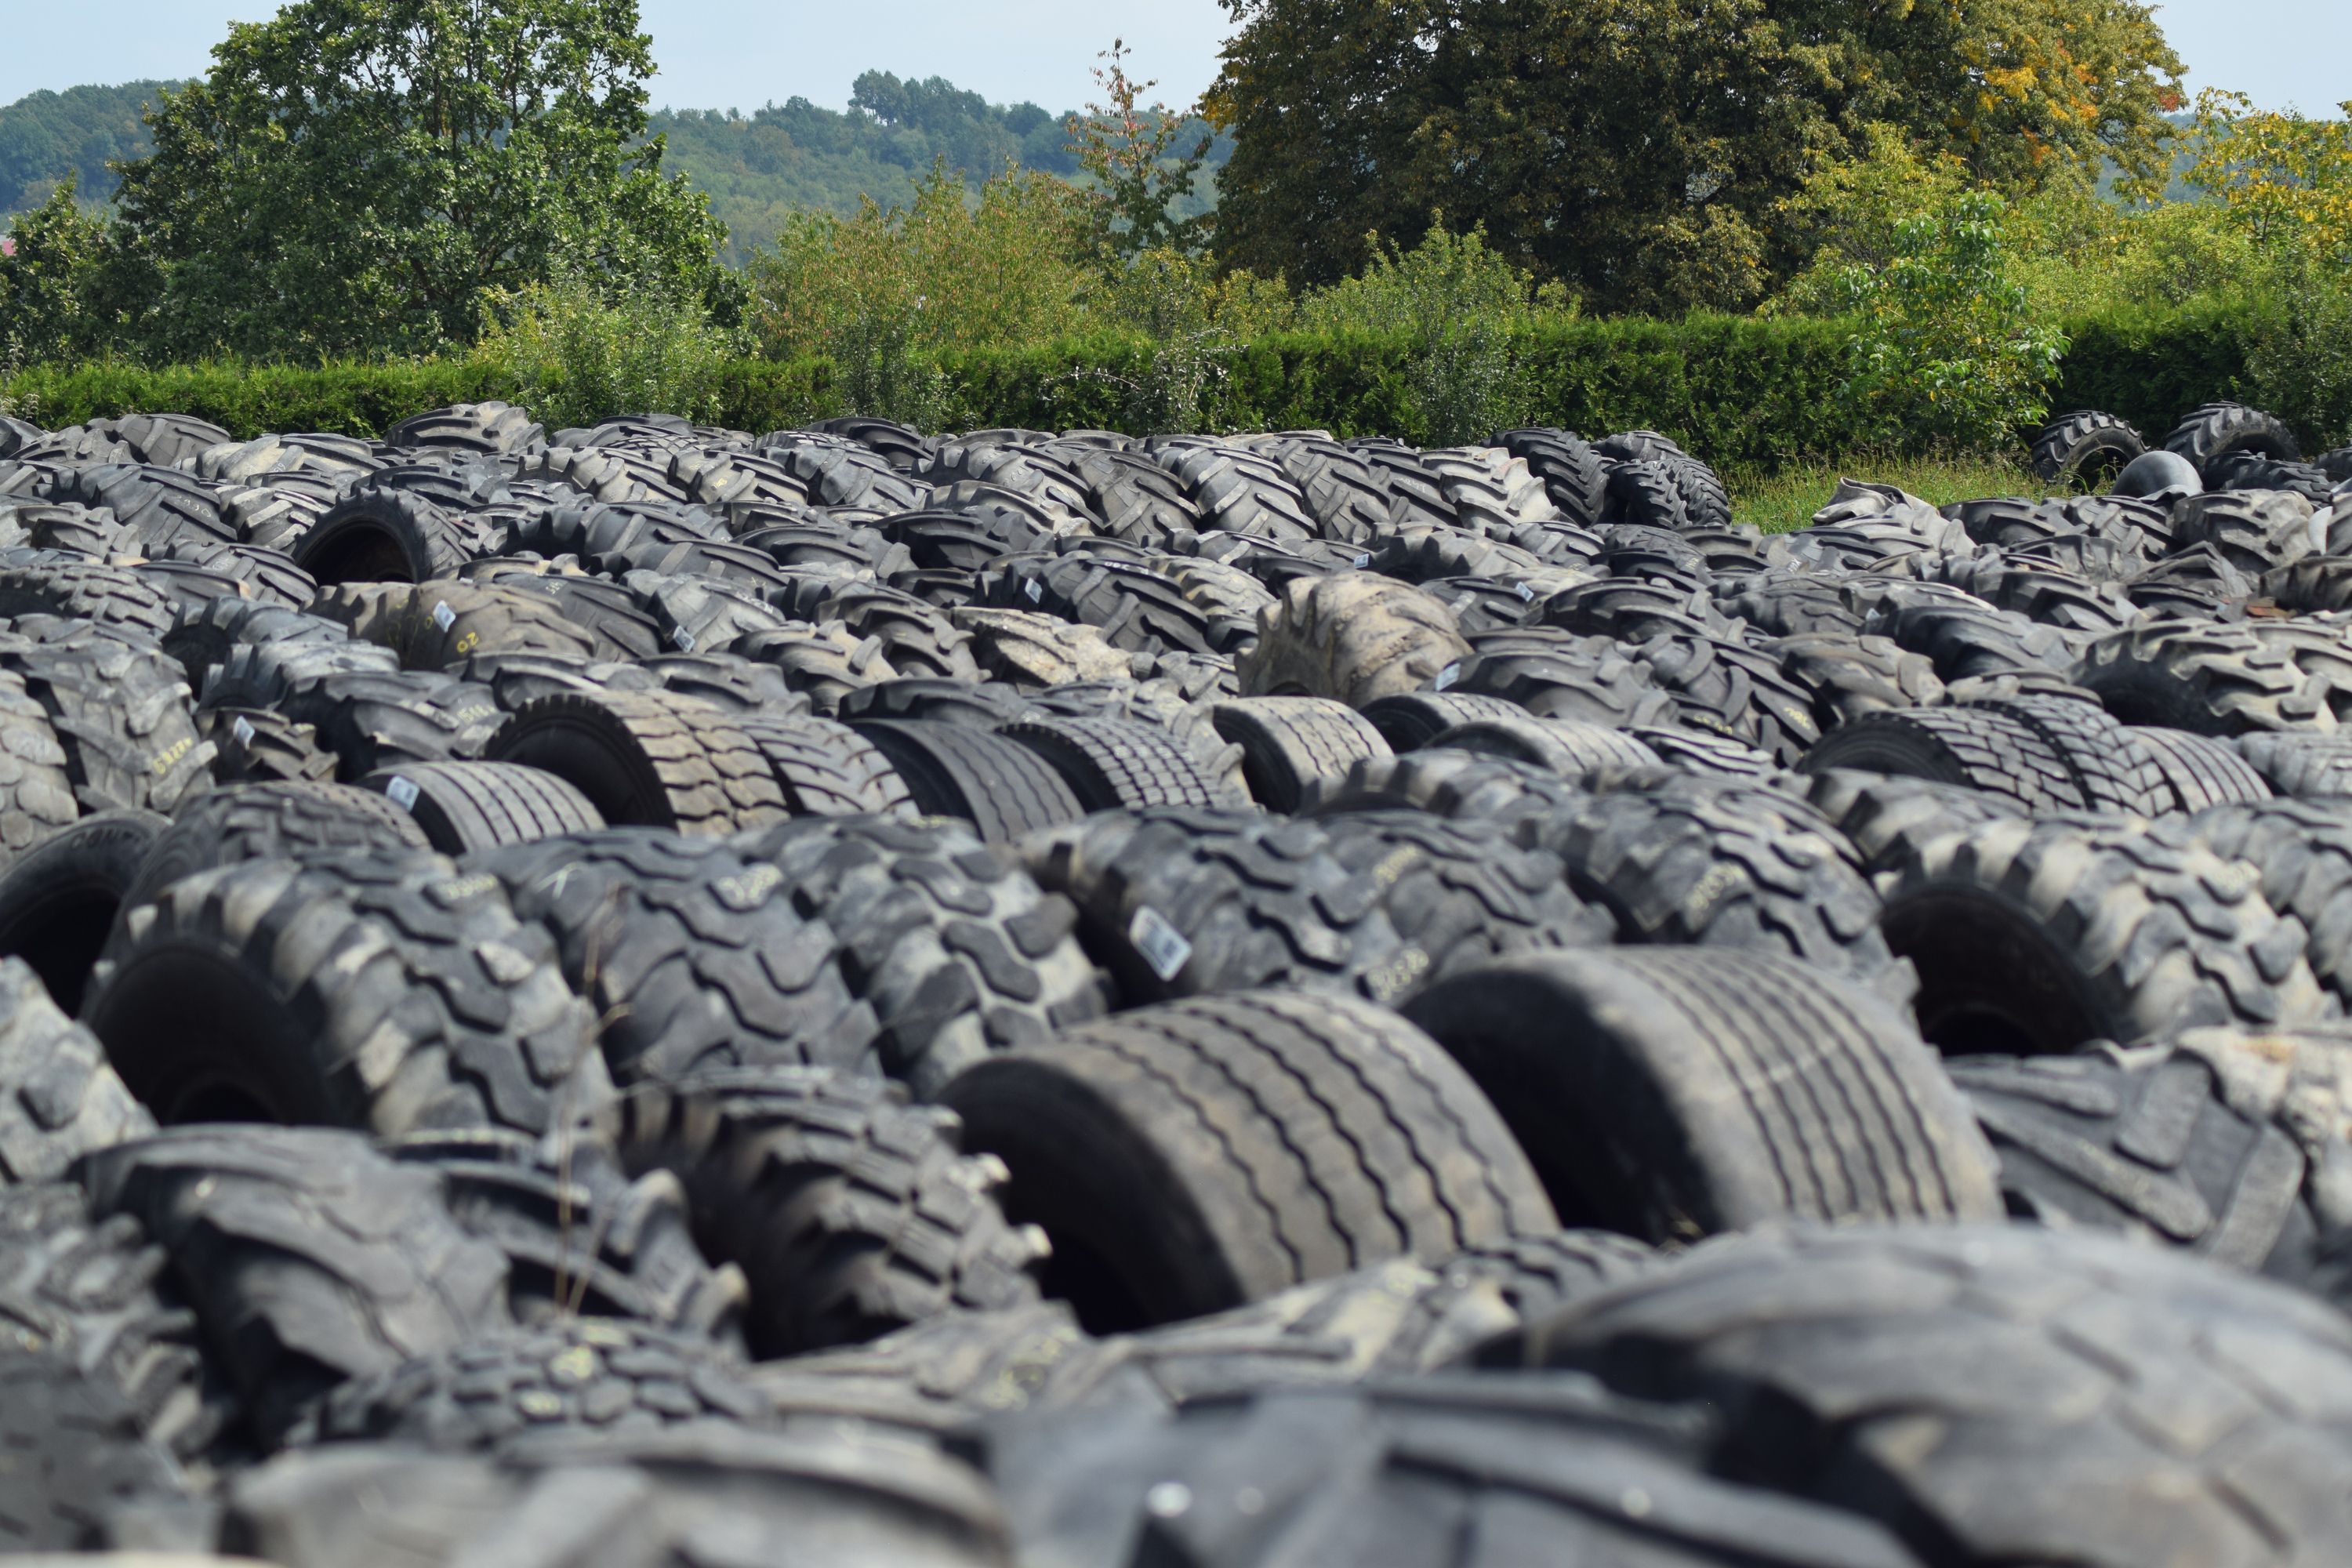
column 46, row 138
column 1141, row 176
column 366, row 176
column 1645, row 152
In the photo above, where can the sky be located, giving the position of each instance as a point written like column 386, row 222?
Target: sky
column 739, row 54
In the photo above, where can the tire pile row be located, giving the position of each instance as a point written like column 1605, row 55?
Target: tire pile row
column 655, row 995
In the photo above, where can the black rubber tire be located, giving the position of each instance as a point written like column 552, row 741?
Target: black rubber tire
column 386, row 992
column 1134, row 608
column 2084, row 446
column 1411, row 720
column 580, row 1236
column 2198, row 771
column 270, row 822
column 1197, row 1155
column 2043, row 1451
column 1181, row 903
column 58, row 1098
column 115, row 597
column 1850, row 676
column 490, row 427
column 824, row 768
column 1570, row 748
column 1682, row 860
column 439, row 626
column 641, row 760
column 2144, row 931
column 851, row 1213
column 120, row 711
column 2206, row 435
column 1113, row 764
column 1471, row 786
column 462, row 807
column 254, row 745
column 1988, row 750
column 58, row 902
column 2193, row 1143
column 1562, row 675
column 1350, row 637
column 690, row 954
column 375, row 535
column 1671, row 1093
column 1004, row 789
column 308, row 1258
column 2304, row 850
column 369, row 719
column 1644, row 493
column 1722, row 687
column 102, row 1391
column 1572, row 471
column 1288, row 743
column 1459, row 893
column 2217, row 680
column 958, row 951
column 1889, row 819
column 2300, row 765
column 598, row 1374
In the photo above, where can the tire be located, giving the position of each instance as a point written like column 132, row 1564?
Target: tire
column 2302, row 765
column 1346, row 496
column 2216, row 679
column 309, row 1259
column 1352, row 638
column 368, row 719
column 1457, row 786
column 1988, row 750
column 1037, row 652
column 1288, row 743
column 390, row 992
column 2206, row 435
column 902, row 446
column 1561, row 676
column 1003, row 788
column 1239, row 491
column 591, row 1375
column 1889, row 820
column 1724, row 687
column 1191, row 1157
column 2198, row 771
column 1568, row 748
column 268, row 822
column 121, row 712
column 580, row 1236
column 1179, row 903
column 202, row 637
column 1411, row 720
column 2086, row 446
column 439, row 626
column 462, row 807
column 2187, row 1144
column 115, row 597
column 385, row 536
column 1113, row 764
column 1671, row 1093
column 834, row 1496
column 690, row 954
column 647, row 761
column 1644, row 492
column 2041, row 1453
column 1849, row 677
column 851, row 1213
column 823, row 662
column 104, row 1386
column 826, row 769
column 157, row 506
column 1572, row 471
column 2036, row 937
column 2304, row 850
column 490, row 427
column 1699, row 862
column 58, row 1098
column 957, row 952
column 1461, row 1471
column 2255, row 534
column 58, row 902
column 37, row 797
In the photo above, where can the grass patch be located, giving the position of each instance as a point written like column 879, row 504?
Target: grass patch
column 1788, row 500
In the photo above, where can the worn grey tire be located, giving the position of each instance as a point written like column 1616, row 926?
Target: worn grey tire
column 646, row 759
column 58, row 1098
column 1194, row 1156
column 1351, row 637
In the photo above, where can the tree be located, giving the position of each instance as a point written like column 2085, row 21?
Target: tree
column 1644, row 152
column 1139, row 177
column 48, row 276
column 369, row 176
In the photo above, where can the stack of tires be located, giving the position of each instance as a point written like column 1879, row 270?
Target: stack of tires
column 654, row 995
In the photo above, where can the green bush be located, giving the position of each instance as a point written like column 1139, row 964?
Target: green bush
column 1759, row 393
column 574, row 355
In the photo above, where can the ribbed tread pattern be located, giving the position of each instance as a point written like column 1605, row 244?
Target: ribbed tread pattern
column 680, row 763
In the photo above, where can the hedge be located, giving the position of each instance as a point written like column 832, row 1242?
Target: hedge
column 1754, row 391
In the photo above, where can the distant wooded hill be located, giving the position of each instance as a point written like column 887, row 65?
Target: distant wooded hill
column 758, row 168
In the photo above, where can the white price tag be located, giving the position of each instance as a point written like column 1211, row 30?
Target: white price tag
column 1163, row 947
column 1447, row 677
column 1527, row 594
column 1037, row 594
column 243, row 729
column 1362, row 560
column 683, row 639
column 444, row 616
column 402, row 793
